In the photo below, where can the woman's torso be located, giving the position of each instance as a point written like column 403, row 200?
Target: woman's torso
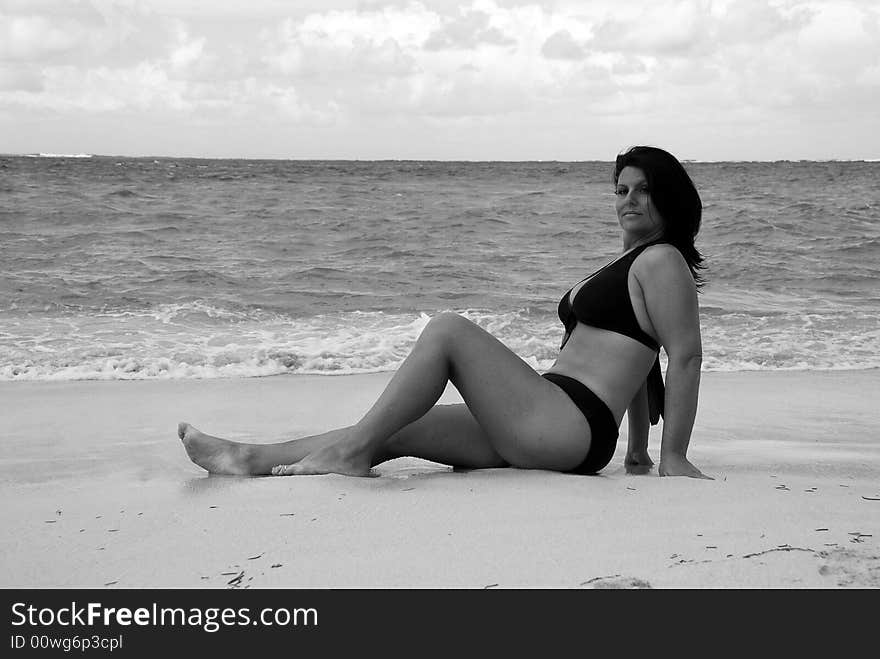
column 612, row 364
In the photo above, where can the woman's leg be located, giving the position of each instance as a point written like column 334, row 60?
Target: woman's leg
column 447, row 433
column 528, row 421
column 222, row 456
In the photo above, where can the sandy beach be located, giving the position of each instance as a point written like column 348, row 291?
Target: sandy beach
column 99, row 492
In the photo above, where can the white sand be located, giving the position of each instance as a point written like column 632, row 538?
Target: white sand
column 98, row 491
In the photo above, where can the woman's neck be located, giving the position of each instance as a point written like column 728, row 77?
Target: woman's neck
column 631, row 242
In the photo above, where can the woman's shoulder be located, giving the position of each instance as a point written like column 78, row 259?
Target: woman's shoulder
column 663, row 261
column 660, row 254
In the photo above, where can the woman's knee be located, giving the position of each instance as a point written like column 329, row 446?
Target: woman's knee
column 445, row 325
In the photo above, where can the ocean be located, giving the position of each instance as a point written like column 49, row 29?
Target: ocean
column 119, row 268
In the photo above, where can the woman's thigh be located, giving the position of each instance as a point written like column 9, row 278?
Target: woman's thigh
column 449, row 434
column 528, row 421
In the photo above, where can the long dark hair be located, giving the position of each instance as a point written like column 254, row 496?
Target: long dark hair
column 675, row 196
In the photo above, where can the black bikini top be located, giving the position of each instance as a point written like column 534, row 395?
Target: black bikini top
column 604, row 302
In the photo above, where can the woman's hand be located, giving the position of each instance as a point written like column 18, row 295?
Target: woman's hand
column 638, row 463
column 678, row 465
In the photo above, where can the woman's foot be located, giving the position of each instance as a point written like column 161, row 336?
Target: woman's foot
column 339, row 458
column 218, row 456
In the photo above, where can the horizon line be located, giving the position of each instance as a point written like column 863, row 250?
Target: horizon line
column 468, row 160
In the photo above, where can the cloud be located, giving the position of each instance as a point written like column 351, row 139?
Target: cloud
column 661, row 28
column 561, row 45
column 698, row 27
column 35, row 38
column 188, row 51
column 103, row 89
column 86, row 34
column 376, row 61
column 424, row 63
column 627, row 65
column 314, row 49
column 469, row 30
column 753, row 21
column 20, row 78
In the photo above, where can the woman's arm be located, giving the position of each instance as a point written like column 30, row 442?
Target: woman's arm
column 637, row 459
column 671, row 301
column 682, row 386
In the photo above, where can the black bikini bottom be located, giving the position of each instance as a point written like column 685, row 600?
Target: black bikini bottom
column 603, row 428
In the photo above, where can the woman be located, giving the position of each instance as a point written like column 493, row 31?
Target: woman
column 567, row 419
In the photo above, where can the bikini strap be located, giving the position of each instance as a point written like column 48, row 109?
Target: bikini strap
column 656, row 392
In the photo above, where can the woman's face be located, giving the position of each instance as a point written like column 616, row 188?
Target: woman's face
column 635, row 210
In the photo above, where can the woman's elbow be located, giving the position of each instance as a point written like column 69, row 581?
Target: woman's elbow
column 688, row 361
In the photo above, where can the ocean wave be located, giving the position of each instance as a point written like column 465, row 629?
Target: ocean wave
column 141, row 268
column 59, row 155
column 198, row 339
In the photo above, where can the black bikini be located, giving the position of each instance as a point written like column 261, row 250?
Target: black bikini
column 604, row 302
column 603, row 427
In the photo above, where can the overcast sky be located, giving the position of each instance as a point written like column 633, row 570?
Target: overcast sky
column 441, row 79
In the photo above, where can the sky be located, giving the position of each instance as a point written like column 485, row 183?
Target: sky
column 441, row 79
